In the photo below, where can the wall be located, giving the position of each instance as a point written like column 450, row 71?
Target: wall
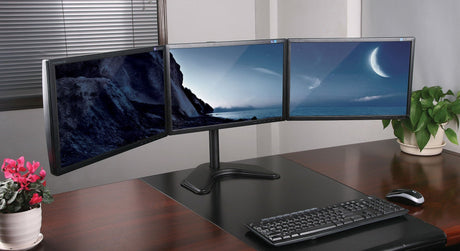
column 22, row 132
column 434, row 24
column 312, row 18
column 190, row 21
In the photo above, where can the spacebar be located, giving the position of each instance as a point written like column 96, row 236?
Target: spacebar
column 318, row 229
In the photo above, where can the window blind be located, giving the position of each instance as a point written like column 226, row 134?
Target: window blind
column 38, row 29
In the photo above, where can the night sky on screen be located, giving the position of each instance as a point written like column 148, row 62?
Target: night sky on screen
column 234, row 76
column 349, row 73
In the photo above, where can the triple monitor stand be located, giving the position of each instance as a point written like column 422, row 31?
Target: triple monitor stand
column 203, row 177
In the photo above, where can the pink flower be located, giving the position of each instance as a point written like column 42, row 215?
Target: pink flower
column 8, row 164
column 32, row 178
column 42, row 174
column 32, row 167
column 8, row 175
column 21, row 164
column 35, row 199
column 11, row 162
column 9, row 170
column 23, row 181
column 5, row 164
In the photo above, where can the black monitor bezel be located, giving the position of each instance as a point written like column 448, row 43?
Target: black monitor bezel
column 345, row 117
column 51, row 116
column 174, row 131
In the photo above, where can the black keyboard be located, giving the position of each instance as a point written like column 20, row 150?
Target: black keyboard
column 316, row 222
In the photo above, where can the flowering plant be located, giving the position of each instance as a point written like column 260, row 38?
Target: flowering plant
column 23, row 189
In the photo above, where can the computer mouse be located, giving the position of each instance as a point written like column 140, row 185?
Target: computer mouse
column 406, row 196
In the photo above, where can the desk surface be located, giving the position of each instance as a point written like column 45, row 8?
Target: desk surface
column 234, row 202
column 133, row 215
column 128, row 215
column 375, row 168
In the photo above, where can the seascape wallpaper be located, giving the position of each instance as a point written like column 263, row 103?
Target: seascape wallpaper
column 215, row 85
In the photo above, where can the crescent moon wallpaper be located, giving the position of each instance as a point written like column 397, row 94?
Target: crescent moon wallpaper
column 346, row 78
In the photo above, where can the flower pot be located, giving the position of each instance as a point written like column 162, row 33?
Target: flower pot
column 20, row 230
column 433, row 147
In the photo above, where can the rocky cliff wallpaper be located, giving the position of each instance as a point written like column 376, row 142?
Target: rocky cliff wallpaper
column 108, row 103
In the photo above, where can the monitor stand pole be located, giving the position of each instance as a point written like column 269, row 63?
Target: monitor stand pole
column 203, row 177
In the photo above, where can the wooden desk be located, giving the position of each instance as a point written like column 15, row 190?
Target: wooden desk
column 132, row 215
column 129, row 215
column 375, row 168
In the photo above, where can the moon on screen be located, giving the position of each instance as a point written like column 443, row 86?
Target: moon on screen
column 374, row 64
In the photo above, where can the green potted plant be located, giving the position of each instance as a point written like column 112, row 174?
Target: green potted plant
column 430, row 111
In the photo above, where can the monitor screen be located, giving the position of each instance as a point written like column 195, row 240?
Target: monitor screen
column 364, row 78
column 102, row 104
column 225, row 84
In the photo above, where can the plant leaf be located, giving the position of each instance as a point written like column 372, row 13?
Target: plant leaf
column 415, row 111
column 422, row 122
column 430, row 112
column 385, row 123
column 441, row 116
column 455, row 108
column 408, row 125
column 15, row 194
column 422, row 136
column 428, row 92
column 451, row 135
column 416, row 94
column 435, row 92
column 398, row 130
column 427, row 103
column 432, row 128
column 47, row 198
column 425, row 92
column 457, row 123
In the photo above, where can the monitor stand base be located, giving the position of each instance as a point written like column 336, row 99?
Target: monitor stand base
column 203, row 177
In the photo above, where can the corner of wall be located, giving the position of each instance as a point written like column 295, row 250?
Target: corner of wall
column 354, row 18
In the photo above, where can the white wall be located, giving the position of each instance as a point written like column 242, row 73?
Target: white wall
column 312, row 18
column 22, row 132
column 210, row 20
column 434, row 24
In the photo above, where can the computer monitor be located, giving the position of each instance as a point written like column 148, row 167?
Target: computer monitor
column 352, row 78
column 99, row 105
column 220, row 85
